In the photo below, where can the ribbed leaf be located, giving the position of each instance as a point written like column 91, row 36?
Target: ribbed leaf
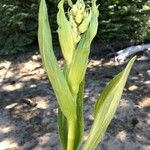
column 62, row 121
column 106, row 107
column 65, row 33
column 80, row 58
column 56, row 77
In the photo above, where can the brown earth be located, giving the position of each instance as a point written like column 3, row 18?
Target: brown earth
column 28, row 108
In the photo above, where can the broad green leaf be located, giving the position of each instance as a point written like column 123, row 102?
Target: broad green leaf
column 80, row 58
column 62, row 121
column 65, row 34
column 56, row 77
column 106, row 107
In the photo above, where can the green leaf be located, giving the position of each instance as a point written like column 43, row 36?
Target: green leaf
column 106, row 107
column 55, row 74
column 65, row 34
column 62, row 121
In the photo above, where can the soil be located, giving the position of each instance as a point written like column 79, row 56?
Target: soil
column 28, row 108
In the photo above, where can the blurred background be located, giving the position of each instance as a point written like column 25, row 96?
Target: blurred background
column 122, row 23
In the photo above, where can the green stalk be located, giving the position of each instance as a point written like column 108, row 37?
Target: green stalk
column 80, row 118
column 62, row 129
column 71, row 134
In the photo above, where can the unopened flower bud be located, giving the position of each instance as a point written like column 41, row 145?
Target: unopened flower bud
column 85, row 23
column 80, row 5
column 79, row 17
column 74, row 29
column 74, row 10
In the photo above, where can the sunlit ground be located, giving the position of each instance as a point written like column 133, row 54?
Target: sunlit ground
column 28, row 108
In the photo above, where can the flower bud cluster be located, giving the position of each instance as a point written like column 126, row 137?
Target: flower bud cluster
column 79, row 17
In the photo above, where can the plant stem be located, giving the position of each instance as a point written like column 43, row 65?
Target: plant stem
column 71, row 135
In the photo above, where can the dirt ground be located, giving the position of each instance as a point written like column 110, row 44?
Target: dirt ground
column 28, row 108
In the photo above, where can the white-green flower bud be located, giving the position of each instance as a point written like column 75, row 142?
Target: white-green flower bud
column 78, row 11
column 74, row 10
column 79, row 17
column 74, row 29
column 85, row 23
column 80, row 5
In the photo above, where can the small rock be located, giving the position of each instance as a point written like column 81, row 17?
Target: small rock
column 122, row 135
column 133, row 88
column 145, row 102
column 36, row 58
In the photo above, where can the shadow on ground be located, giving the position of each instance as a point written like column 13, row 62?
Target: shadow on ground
column 28, row 108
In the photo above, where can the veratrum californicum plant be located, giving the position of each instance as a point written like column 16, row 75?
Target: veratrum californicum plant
column 76, row 30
